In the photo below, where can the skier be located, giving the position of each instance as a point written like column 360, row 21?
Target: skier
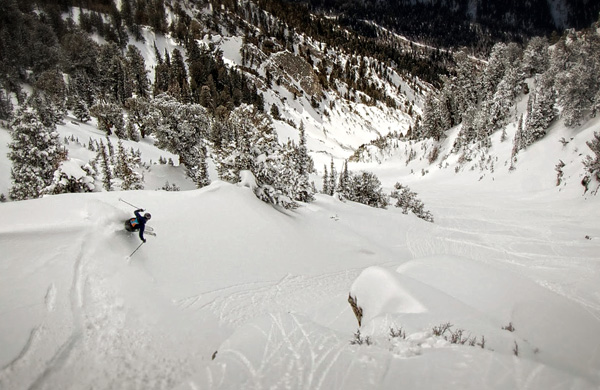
column 138, row 223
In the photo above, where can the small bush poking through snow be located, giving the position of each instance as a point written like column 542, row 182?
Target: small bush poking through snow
column 509, row 327
column 456, row 336
column 359, row 340
column 408, row 201
column 397, row 333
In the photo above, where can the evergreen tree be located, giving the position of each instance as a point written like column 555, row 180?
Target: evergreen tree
column 407, row 200
column 519, row 142
column 112, row 76
column 436, row 119
column 325, row 180
column 137, row 73
column 275, row 112
column 198, row 169
column 465, row 86
column 125, row 169
column 366, row 189
column 6, row 106
column 468, row 131
column 180, row 129
column 592, row 163
column 343, row 186
column 141, row 113
column 541, row 111
column 54, row 90
column 35, row 153
column 254, row 152
column 577, row 67
column 303, row 166
column 178, row 85
column 162, row 74
column 536, row 57
column 132, row 133
column 47, row 112
column 77, row 177
column 110, row 117
column 332, row 178
column 106, row 166
column 80, row 110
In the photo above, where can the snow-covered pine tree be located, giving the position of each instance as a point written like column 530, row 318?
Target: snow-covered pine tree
column 142, row 114
column 332, row 178
column 541, row 112
column 466, row 85
column 519, row 142
column 592, row 163
column 197, row 167
column 502, row 58
column 125, row 170
column 103, row 157
column 576, row 63
column 325, row 180
column 407, row 200
column 179, row 86
column 112, row 79
column 343, row 186
column 162, row 74
column 80, row 109
column 180, row 129
column 6, row 107
column 110, row 117
column 502, row 100
column 256, row 151
column 366, row 189
column 132, row 133
column 72, row 176
column 429, row 125
column 137, row 74
column 35, row 153
column 468, row 131
column 47, row 112
column 52, row 86
column 536, row 57
column 80, row 87
column 303, row 165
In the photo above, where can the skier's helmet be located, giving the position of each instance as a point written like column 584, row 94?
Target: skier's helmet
column 147, row 216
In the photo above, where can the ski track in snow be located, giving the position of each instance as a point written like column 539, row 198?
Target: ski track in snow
column 235, row 305
column 295, row 318
column 505, row 244
column 56, row 362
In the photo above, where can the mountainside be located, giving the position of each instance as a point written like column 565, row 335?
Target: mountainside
column 233, row 293
column 337, row 203
column 455, row 23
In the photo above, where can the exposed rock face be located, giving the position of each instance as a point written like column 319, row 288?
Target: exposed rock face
column 357, row 309
column 294, row 73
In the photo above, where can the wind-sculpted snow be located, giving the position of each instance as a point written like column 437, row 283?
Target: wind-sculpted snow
column 263, row 291
column 378, row 291
column 287, row 351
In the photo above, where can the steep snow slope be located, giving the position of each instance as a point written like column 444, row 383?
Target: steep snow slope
column 267, row 289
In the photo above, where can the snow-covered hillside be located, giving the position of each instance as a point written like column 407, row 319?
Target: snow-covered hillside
column 501, row 292
column 234, row 293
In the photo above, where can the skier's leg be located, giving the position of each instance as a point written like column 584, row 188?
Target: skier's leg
column 128, row 226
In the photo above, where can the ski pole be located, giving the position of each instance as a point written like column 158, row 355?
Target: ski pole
column 136, row 249
column 135, row 207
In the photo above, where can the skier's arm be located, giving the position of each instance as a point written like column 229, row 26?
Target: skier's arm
column 137, row 213
column 142, row 228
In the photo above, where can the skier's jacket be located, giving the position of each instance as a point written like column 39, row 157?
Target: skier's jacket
column 138, row 223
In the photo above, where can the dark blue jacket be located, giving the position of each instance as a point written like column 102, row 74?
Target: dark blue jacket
column 142, row 222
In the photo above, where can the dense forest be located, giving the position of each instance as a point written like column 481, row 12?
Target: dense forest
column 476, row 25
column 196, row 103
